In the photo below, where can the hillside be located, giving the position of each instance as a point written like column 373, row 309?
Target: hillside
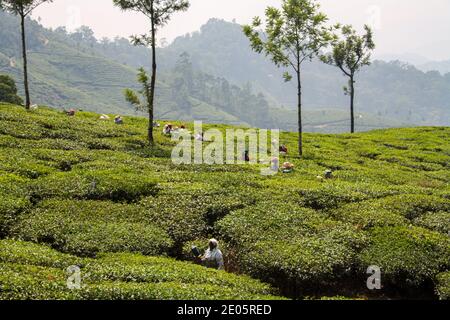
column 441, row 66
column 80, row 191
column 70, row 73
column 393, row 91
column 77, row 70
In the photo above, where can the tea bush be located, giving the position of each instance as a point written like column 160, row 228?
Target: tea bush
column 330, row 196
column 88, row 227
column 30, row 271
column 86, row 187
column 413, row 206
column 10, row 208
column 443, row 285
column 190, row 215
column 369, row 214
column 437, row 221
column 24, row 282
column 114, row 185
column 27, row 253
column 167, row 291
column 407, row 255
column 289, row 242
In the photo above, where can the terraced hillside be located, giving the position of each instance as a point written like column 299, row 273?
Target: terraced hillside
column 80, row 191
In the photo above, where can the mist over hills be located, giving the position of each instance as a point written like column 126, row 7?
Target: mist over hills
column 441, row 66
column 213, row 75
column 396, row 90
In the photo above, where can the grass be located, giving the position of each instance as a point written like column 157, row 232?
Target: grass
column 80, row 191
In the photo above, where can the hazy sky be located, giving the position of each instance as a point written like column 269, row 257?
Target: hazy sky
column 401, row 26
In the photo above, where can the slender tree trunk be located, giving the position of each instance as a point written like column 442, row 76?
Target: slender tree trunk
column 352, row 103
column 25, row 63
column 152, row 86
column 300, row 124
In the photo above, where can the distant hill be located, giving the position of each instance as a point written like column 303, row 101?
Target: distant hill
column 66, row 72
column 60, row 74
column 441, row 66
column 227, row 82
column 392, row 90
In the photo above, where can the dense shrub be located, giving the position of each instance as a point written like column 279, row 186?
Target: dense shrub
column 167, row 291
column 413, row 206
column 282, row 242
column 85, row 186
column 10, row 207
column 8, row 90
column 443, row 285
column 424, row 210
column 330, row 196
column 27, row 253
column 20, row 162
column 407, row 255
column 188, row 216
column 88, row 227
column 112, row 185
column 367, row 214
column 29, row 271
column 437, row 221
column 25, row 282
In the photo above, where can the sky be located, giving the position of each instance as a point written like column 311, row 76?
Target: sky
column 416, row 29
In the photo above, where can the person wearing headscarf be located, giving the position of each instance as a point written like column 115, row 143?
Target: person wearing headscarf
column 213, row 257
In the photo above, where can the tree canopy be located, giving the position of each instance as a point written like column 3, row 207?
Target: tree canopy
column 293, row 34
column 8, row 90
column 21, row 7
column 350, row 54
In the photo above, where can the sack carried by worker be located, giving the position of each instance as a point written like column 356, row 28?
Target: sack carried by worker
column 196, row 252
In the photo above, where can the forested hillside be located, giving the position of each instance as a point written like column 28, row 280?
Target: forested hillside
column 227, row 83
column 70, row 71
column 394, row 90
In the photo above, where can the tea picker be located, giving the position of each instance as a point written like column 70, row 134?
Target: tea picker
column 213, row 257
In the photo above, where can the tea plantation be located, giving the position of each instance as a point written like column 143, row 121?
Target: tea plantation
column 81, row 191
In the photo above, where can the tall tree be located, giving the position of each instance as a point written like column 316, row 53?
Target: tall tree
column 350, row 54
column 23, row 8
column 159, row 13
column 293, row 34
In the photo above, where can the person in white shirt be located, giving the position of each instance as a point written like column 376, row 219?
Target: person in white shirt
column 213, row 257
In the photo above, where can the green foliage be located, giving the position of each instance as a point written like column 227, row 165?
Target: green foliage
column 88, row 227
column 8, row 90
column 24, row 282
column 21, row 7
column 29, row 271
column 187, row 217
column 132, row 98
column 443, row 285
column 10, row 209
column 437, row 221
column 302, row 234
column 27, row 253
column 294, row 34
column 159, row 12
column 350, row 55
column 423, row 210
column 353, row 52
column 282, row 240
column 114, row 185
column 407, row 255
